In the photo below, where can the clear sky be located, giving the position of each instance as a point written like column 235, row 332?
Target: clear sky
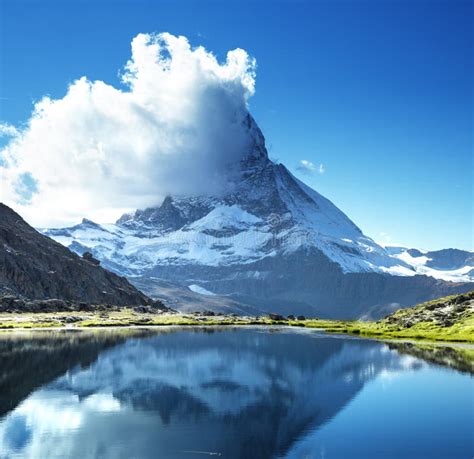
column 377, row 95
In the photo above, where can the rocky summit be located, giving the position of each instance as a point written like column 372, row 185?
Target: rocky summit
column 37, row 273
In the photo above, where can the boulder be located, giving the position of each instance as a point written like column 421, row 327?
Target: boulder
column 277, row 317
column 90, row 258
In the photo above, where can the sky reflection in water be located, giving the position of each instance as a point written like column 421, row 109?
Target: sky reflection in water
column 239, row 393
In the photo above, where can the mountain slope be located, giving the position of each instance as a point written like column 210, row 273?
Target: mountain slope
column 35, row 267
column 192, row 299
column 267, row 240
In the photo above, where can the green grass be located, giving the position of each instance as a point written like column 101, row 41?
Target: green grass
column 461, row 331
column 121, row 318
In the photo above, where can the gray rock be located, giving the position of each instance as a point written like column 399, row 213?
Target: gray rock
column 88, row 257
column 277, row 317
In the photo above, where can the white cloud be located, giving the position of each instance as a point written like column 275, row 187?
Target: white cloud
column 385, row 240
column 102, row 150
column 7, row 130
column 308, row 168
column 385, row 237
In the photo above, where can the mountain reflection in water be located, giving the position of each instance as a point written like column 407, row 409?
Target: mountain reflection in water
column 246, row 393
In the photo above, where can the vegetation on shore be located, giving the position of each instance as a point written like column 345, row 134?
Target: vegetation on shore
column 445, row 319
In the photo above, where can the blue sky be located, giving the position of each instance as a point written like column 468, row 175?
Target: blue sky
column 379, row 92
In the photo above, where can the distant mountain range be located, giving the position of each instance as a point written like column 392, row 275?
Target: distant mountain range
column 447, row 264
column 269, row 242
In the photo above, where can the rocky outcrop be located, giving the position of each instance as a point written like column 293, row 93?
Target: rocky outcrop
column 444, row 312
column 34, row 267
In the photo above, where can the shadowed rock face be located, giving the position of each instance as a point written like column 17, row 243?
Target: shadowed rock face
column 306, row 282
column 36, row 267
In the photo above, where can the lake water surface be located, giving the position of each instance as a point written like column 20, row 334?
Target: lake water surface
column 233, row 393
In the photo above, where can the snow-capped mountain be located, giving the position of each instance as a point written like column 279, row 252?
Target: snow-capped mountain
column 448, row 264
column 268, row 240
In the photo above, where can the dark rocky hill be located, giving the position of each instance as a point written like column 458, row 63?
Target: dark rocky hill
column 34, row 267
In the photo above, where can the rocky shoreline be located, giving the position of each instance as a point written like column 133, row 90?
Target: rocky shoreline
column 449, row 319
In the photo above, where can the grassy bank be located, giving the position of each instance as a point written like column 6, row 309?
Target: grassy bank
column 125, row 317
column 444, row 319
column 448, row 319
column 462, row 332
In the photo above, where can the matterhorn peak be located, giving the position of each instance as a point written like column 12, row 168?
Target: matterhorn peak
column 265, row 237
column 258, row 148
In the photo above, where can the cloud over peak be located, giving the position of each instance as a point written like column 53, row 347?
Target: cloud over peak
column 175, row 127
column 307, row 167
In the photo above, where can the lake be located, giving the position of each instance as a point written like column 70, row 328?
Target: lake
column 230, row 393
